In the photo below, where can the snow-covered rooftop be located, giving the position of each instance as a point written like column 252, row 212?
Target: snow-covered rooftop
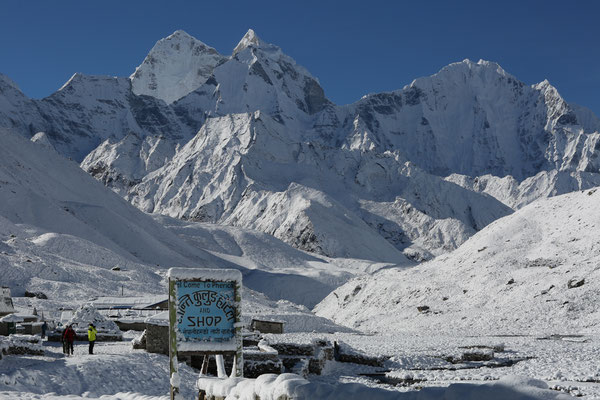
column 127, row 302
column 11, row 318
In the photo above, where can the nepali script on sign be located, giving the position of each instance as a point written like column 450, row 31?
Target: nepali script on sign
column 205, row 310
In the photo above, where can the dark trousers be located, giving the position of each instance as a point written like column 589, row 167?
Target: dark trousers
column 69, row 348
column 92, row 346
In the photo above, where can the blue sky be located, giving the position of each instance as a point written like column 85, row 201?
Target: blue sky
column 353, row 47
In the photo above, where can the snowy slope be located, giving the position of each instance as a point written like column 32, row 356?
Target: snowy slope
column 271, row 266
column 52, row 210
column 535, row 271
column 176, row 65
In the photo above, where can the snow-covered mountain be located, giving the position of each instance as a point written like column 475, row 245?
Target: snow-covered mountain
column 535, row 271
column 251, row 140
column 87, row 111
column 62, row 233
column 492, row 123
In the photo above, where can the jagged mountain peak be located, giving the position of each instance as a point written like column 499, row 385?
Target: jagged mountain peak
column 506, row 127
column 91, row 85
column 259, row 76
column 250, row 38
column 546, row 87
column 179, row 38
column 174, row 67
column 180, row 34
column 489, row 64
column 544, row 83
column 559, row 111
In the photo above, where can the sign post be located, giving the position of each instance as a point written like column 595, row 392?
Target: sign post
column 204, row 317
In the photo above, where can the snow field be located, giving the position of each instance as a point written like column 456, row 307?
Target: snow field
column 114, row 371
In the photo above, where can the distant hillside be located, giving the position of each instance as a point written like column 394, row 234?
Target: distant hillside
column 533, row 272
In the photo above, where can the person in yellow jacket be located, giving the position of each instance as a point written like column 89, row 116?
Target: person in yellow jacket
column 92, row 337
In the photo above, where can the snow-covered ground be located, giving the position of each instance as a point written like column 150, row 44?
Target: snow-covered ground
column 119, row 372
column 115, row 370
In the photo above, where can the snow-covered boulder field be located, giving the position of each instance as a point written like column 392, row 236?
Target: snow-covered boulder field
column 535, row 271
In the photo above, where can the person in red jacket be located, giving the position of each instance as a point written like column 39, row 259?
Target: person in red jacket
column 69, row 338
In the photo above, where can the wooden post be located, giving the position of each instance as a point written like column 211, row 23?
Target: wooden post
column 204, row 369
column 173, row 362
column 238, row 361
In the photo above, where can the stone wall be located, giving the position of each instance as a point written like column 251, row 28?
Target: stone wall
column 157, row 339
column 266, row 326
column 131, row 326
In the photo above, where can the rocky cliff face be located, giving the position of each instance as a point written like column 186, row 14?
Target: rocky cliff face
column 251, row 140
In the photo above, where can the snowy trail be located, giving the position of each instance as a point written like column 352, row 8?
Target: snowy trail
column 115, row 371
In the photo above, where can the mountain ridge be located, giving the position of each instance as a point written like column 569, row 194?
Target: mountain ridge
column 470, row 119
